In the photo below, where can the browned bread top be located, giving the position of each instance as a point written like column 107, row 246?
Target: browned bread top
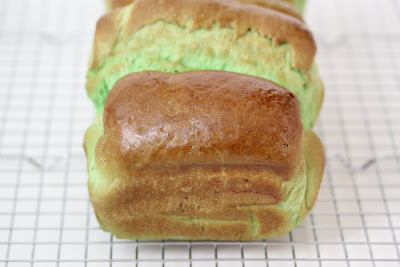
column 122, row 23
column 159, row 120
column 201, row 155
column 278, row 5
column 113, row 4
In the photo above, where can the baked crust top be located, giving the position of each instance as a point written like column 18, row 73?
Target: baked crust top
column 278, row 5
column 156, row 120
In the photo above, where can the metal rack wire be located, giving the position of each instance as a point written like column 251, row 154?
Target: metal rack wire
column 45, row 215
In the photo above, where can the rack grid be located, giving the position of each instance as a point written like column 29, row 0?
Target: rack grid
column 45, row 215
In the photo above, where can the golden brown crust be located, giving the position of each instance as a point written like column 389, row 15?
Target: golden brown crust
column 107, row 28
column 166, row 208
column 155, row 120
column 119, row 3
column 195, row 155
column 278, row 5
column 272, row 220
column 206, row 13
column 315, row 158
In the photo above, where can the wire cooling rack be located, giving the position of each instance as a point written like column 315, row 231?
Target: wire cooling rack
column 45, row 215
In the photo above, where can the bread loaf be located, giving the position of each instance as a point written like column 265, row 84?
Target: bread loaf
column 182, row 35
column 201, row 155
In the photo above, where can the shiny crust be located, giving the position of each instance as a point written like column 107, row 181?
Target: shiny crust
column 278, row 5
column 194, row 155
column 204, row 14
column 155, row 120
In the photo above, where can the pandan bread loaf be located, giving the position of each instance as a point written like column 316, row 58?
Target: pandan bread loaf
column 201, row 155
column 286, row 6
column 181, row 35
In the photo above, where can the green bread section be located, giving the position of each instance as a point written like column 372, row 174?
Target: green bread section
column 167, row 47
column 300, row 5
column 108, row 5
column 301, row 190
column 93, row 133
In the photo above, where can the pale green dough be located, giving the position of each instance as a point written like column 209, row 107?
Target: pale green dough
column 168, row 47
column 300, row 5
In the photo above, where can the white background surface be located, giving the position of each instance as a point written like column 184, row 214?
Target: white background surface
column 46, row 218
